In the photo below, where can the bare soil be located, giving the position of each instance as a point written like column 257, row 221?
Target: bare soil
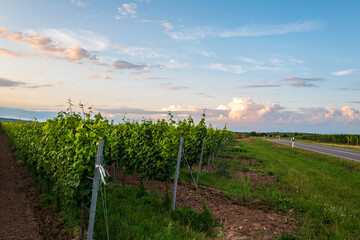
column 247, row 161
column 243, row 160
column 243, row 140
column 21, row 215
column 239, row 221
column 255, row 178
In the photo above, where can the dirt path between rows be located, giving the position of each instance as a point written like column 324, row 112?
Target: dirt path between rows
column 17, row 216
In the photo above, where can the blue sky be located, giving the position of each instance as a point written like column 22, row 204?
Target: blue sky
column 254, row 65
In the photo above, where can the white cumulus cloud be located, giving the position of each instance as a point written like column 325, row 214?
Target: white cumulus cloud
column 127, row 9
column 345, row 72
column 245, row 109
column 228, row 68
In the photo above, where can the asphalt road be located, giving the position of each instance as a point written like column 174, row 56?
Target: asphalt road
column 337, row 152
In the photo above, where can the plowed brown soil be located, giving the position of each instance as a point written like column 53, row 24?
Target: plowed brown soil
column 239, row 221
column 17, row 217
column 243, row 140
column 21, row 214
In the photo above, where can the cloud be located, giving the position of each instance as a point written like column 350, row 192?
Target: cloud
column 202, row 32
column 128, row 9
column 76, row 53
column 348, row 89
column 47, row 44
column 205, row 95
column 9, row 83
column 18, row 113
column 345, row 72
column 301, row 82
column 139, row 71
column 168, row 26
column 259, row 86
column 42, row 85
column 149, row 78
column 180, row 108
column 248, row 60
column 135, row 69
column 321, row 115
column 78, row 3
column 277, row 64
column 89, row 40
column 208, row 54
column 174, row 64
column 2, row 31
column 168, row 86
column 10, row 53
column 245, row 112
column 120, row 64
column 245, row 109
column 97, row 76
column 227, row 68
column 140, row 52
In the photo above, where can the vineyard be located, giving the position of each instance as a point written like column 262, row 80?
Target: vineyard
column 352, row 139
column 61, row 152
column 247, row 188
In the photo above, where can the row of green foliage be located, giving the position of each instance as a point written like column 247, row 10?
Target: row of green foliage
column 352, row 139
column 62, row 150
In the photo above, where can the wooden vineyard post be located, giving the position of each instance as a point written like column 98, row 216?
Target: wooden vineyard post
column 82, row 221
column 114, row 172
column 220, row 147
column 176, row 173
column 95, row 189
column 201, row 155
column 212, row 157
column 43, row 185
column 212, row 145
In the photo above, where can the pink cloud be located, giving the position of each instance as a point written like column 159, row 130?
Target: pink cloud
column 94, row 76
column 10, row 53
column 245, row 109
column 316, row 115
column 47, row 44
column 181, row 108
column 76, row 52
column 168, row 26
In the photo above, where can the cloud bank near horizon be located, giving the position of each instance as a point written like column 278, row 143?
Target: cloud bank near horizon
column 242, row 113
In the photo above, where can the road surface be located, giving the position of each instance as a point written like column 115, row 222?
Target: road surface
column 337, row 152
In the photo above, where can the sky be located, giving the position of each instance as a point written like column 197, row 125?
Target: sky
column 252, row 65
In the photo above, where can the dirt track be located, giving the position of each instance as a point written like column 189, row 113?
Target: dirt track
column 17, row 216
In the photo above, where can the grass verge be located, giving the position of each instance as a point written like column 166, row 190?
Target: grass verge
column 324, row 191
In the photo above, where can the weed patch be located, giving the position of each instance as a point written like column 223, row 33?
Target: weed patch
column 134, row 217
column 203, row 222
